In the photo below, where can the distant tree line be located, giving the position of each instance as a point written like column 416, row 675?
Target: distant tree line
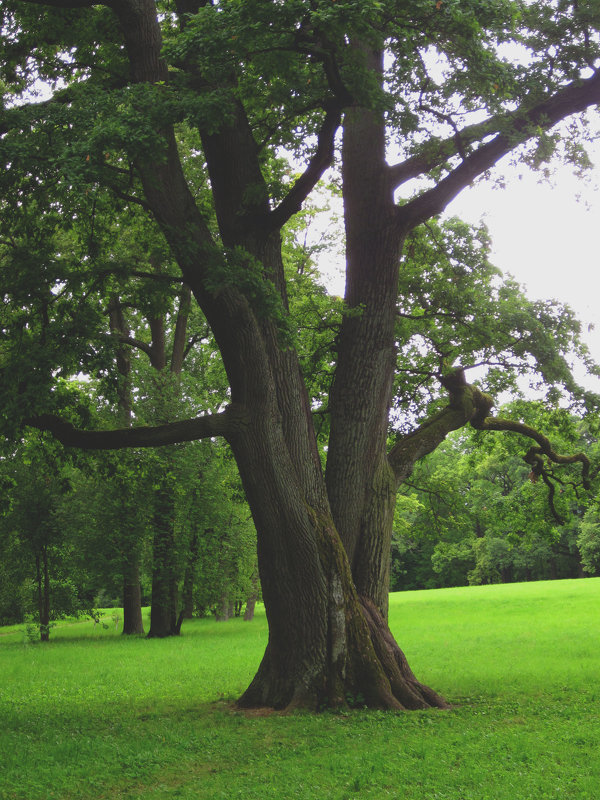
column 72, row 527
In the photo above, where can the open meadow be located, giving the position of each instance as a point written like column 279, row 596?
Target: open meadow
column 95, row 715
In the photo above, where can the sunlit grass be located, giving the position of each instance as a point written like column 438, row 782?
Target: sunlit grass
column 93, row 714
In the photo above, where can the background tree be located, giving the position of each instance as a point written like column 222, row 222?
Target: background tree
column 39, row 582
column 252, row 78
column 473, row 512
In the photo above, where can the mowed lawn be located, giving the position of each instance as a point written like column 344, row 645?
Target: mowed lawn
column 96, row 715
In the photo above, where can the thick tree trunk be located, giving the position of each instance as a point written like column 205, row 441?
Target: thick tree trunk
column 360, row 481
column 132, row 597
column 323, row 647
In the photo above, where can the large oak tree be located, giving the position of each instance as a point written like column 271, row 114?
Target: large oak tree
column 416, row 100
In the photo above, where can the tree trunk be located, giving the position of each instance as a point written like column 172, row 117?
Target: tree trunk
column 223, row 611
column 187, row 594
column 43, row 592
column 132, row 597
column 163, row 610
column 323, row 650
column 360, row 482
column 251, row 600
column 324, row 647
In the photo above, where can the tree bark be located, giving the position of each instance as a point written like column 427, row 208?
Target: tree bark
column 251, row 600
column 321, row 648
column 132, row 595
column 361, row 485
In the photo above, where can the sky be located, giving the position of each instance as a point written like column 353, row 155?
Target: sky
column 547, row 236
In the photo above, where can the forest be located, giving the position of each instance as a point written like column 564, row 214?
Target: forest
column 189, row 418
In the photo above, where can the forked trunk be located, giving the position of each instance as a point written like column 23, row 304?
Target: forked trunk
column 326, row 647
column 322, row 648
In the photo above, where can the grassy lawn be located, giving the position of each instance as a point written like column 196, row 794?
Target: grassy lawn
column 92, row 714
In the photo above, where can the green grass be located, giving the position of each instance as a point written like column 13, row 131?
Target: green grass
column 92, row 714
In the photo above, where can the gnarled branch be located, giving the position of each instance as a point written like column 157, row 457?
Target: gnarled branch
column 467, row 403
column 534, row 456
column 544, row 445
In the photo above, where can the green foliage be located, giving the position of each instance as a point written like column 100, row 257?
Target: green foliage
column 470, row 512
column 588, row 541
column 455, row 307
column 83, row 230
column 35, row 550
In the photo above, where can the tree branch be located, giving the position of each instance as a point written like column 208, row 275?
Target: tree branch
column 544, row 445
column 189, row 430
column 70, row 3
column 321, row 160
column 573, row 98
column 436, row 151
column 137, row 343
column 467, row 403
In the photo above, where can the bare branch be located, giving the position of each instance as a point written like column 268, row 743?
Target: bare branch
column 467, row 403
column 189, row 430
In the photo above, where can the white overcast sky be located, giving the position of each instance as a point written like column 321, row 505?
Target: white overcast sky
column 547, row 236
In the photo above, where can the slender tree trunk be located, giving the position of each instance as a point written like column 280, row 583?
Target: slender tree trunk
column 164, row 620
column 187, row 595
column 163, row 610
column 251, row 600
column 132, row 597
column 223, row 612
column 43, row 593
